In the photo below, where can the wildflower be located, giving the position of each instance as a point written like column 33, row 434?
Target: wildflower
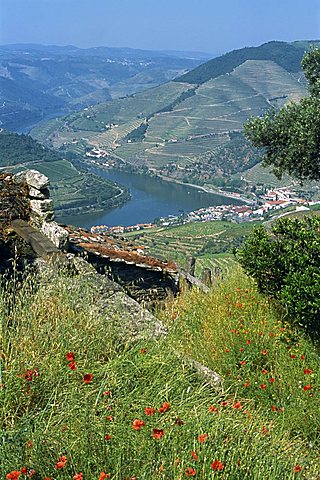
column 297, row 468
column 14, row 475
column 78, row 476
column 241, row 349
column 149, row 411
column 107, row 393
column 246, row 384
column 307, row 387
column 302, row 357
column 194, row 455
column 164, row 408
column 70, row 357
column 202, row 438
column 264, row 430
column 24, row 470
column 103, row 476
column 158, row 433
column 137, row 424
column 29, row 444
column 217, row 465
column 292, row 355
column 237, row 406
column 264, row 371
column 263, row 386
column 190, row 472
column 143, row 351
column 307, row 371
column 212, row 409
column 87, row 377
column 242, row 362
column 272, row 380
column 248, row 342
column 224, row 404
column 273, row 408
column 109, row 418
column 107, row 437
column 72, row 365
column 61, row 463
column 227, row 350
column 264, row 352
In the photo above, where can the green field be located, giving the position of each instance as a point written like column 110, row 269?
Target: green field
column 211, row 243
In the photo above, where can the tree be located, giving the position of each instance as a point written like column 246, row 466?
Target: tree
column 290, row 137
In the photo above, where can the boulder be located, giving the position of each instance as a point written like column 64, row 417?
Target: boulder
column 33, row 178
column 58, row 235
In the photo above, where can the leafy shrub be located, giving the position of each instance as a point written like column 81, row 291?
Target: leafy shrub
column 286, row 265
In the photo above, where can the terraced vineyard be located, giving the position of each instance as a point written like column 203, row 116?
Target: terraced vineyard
column 188, row 124
column 211, row 243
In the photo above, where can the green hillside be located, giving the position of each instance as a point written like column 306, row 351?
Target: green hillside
column 71, row 189
column 187, row 131
column 286, row 55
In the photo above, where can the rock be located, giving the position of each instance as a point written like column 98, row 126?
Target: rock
column 41, row 206
column 58, row 235
column 39, row 194
column 33, row 178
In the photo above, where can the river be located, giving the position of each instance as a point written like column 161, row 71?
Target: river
column 151, row 197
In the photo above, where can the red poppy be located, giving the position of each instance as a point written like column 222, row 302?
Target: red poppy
column 137, row 424
column 103, row 476
column 78, row 476
column 212, row 409
column 272, row 380
column 217, row 465
column 274, row 408
column 242, row 362
column 24, row 470
column 107, row 437
column 61, row 463
column 263, row 386
column 202, row 438
column 307, row 371
column 47, row 478
column 237, row 406
column 14, row 475
column 194, row 455
column 264, row 371
column 158, row 433
column 107, row 393
column 292, row 355
column 72, row 365
column 164, row 408
column 70, row 357
column 302, row 357
column 109, row 418
column 307, row 387
column 248, row 342
column 246, row 384
column 227, row 350
column 143, row 351
column 297, row 468
column 224, row 404
column 264, row 430
column 87, row 377
column 149, row 411
column 241, row 349
column 190, row 472
column 264, row 352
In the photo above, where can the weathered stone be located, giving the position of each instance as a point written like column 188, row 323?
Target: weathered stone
column 39, row 194
column 33, row 178
column 58, row 235
column 36, row 219
column 41, row 206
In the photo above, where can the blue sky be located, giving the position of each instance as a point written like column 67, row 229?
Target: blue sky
column 214, row 26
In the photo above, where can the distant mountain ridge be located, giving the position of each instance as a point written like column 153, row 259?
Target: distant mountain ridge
column 38, row 82
column 287, row 55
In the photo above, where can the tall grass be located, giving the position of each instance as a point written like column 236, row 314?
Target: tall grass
column 81, row 415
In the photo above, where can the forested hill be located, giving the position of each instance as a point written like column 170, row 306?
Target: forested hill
column 16, row 149
column 286, row 55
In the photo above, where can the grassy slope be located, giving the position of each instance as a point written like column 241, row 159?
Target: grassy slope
column 254, row 432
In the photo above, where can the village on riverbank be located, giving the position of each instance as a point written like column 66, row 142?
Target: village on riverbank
column 280, row 201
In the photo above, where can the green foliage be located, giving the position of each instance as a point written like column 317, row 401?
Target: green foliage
column 286, row 265
column 15, row 149
column 291, row 137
